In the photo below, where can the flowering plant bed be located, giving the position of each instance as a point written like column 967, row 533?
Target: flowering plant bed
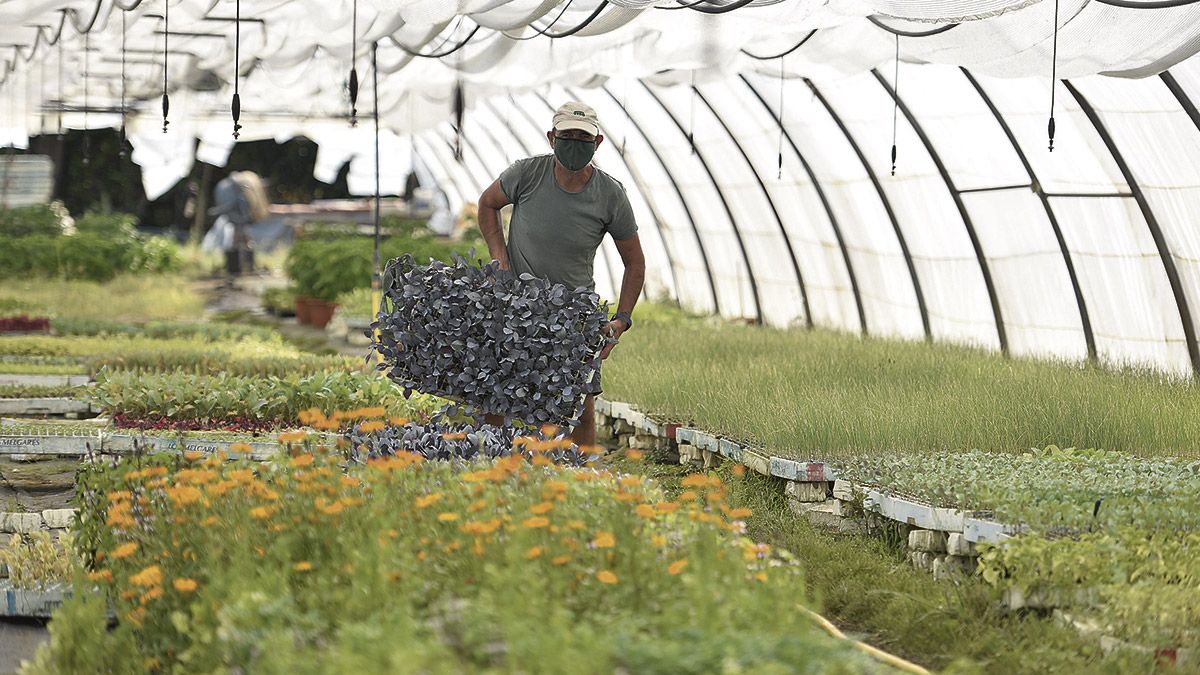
column 184, row 401
column 404, row 563
column 439, row 440
column 24, row 324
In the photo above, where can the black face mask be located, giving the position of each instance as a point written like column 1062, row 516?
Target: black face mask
column 574, row 154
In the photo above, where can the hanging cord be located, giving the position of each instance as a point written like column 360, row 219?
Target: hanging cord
column 779, row 165
column 1053, row 77
column 460, row 110
column 353, row 70
column 236, row 106
column 42, row 96
column 123, row 113
column 376, row 279
column 87, row 63
column 61, row 98
column 895, row 103
column 166, row 101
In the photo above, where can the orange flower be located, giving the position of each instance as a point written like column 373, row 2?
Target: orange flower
column 676, row 567
column 535, row 522
column 541, row 508
column 427, row 500
column 535, row 552
column 301, row 460
column 561, row 560
column 398, row 421
column 102, row 575
column 666, row 507
column 635, row 455
column 292, row 437
column 302, row 566
column 576, row 524
column 125, row 550
column 151, row 576
column 477, row 505
column 447, row 517
column 607, row 577
column 761, row 576
column 241, row 448
column 374, row 425
column 193, row 455
column 183, row 495
column 741, row 513
column 549, row 430
column 184, row 585
column 604, row 540
column 687, row 496
column 658, row 540
column 695, row 480
column 630, row 481
column 646, row 511
column 261, row 512
column 739, row 469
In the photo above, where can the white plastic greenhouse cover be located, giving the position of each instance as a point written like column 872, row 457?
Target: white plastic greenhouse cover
column 754, row 140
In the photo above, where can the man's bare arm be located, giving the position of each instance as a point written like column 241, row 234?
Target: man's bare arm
column 635, row 272
column 490, row 202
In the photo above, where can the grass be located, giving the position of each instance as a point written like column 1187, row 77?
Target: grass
column 126, row 298
column 864, row 585
column 814, row 394
column 9, row 367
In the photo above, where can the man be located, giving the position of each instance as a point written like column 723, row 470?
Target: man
column 562, row 208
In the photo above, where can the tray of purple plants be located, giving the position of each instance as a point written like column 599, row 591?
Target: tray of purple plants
column 490, row 340
column 446, row 440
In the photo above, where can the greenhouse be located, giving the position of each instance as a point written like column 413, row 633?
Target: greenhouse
column 304, row 306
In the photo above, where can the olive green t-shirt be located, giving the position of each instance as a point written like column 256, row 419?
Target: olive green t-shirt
column 554, row 234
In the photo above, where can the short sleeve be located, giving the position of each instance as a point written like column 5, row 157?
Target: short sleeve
column 512, row 180
column 623, row 225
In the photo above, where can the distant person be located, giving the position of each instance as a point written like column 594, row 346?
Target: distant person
column 562, row 208
column 240, row 201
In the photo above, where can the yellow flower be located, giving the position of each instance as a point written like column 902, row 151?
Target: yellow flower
column 261, row 512
column 534, row 552
column 447, row 517
column 151, row 576
column 607, row 577
column 604, row 540
column 427, row 500
column 302, row 566
column 184, row 585
column 368, row 427
column 377, row 411
column 676, row 567
column 658, row 540
column 152, row 594
column 477, row 505
column 541, row 508
column 561, row 560
column 241, row 448
column 576, row 524
column 535, row 522
column 398, row 421
column 761, row 576
column 646, row 511
column 193, row 455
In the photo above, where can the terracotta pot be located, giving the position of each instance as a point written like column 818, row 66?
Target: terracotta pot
column 320, row 312
column 304, row 309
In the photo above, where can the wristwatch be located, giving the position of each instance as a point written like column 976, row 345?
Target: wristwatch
column 624, row 316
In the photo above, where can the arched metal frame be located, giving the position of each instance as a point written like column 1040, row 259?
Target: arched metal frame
column 1088, row 335
column 808, row 320
column 758, row 310
column 962, row 209
column 1160, row 242
column 825, row 204
column 683, row 202
column 887, row 206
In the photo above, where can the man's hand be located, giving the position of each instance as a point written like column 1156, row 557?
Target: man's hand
column 614, row 329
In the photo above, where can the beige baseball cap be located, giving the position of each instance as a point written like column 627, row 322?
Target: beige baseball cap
column 576, row 115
